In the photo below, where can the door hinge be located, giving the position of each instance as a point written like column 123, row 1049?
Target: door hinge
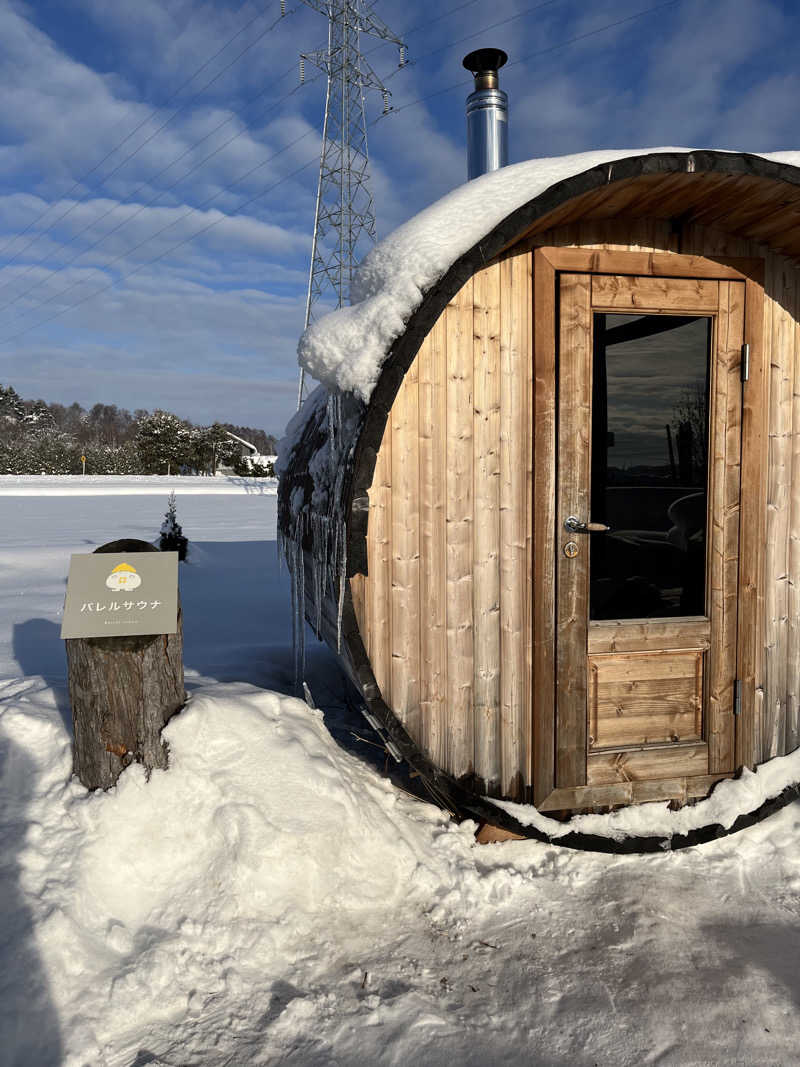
column 737, row 697
column 745, row 363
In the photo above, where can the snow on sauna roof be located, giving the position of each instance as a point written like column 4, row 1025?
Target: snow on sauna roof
column 346, row 348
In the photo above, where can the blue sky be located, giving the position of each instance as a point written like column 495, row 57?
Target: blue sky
column 98, row 304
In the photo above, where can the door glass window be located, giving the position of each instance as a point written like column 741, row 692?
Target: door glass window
column 650, row 390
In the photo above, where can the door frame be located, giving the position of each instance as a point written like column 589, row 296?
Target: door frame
column 549, row 262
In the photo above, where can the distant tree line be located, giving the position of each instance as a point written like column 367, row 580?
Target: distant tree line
column 41, row 438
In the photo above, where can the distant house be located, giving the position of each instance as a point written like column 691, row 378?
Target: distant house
column 250, row 457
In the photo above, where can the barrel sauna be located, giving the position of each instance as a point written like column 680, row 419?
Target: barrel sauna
column 546, row 507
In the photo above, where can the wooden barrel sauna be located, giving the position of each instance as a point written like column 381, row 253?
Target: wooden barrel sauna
column 555, row 537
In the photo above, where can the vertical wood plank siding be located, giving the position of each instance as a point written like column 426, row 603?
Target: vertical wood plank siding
column 378, row 637
column 487, row 367
column 452, row 662
column 516, row 463
column 780, row 344
column 543, row 608
column 405, row 596
column 448, row 609
column 458, row 489
column 792, row 739
column 432, row 362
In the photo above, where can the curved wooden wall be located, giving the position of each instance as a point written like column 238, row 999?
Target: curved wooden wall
column 445, row 612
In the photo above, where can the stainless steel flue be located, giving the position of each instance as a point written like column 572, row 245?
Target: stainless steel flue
column 487, row 113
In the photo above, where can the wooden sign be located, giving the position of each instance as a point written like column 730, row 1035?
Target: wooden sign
column 121, row 594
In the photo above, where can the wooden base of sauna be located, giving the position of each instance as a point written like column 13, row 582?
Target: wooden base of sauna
column 492, row 835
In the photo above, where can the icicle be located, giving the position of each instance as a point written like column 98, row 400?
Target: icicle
column 293, row 551
column 282, row 561
column 295, row 636
column 342, row 587
column 300, row 644
column 324, row 562
column 295, row 633
column 317, row 526
column 315, row 570
column 319, row 564
column 331, row 431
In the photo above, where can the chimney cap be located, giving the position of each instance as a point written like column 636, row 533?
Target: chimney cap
column 485, row 61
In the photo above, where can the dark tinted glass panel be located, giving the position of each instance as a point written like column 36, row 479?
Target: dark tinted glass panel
column 649, row 465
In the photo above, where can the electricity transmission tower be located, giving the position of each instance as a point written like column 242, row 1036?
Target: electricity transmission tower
column 344, row 219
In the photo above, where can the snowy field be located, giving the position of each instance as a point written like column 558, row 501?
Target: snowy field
column 132, row 485
column 271, row 899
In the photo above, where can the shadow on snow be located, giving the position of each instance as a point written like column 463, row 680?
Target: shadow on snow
column 29, row 1028
column 237, row 626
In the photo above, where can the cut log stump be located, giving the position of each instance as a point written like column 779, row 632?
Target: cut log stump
column 123, row 691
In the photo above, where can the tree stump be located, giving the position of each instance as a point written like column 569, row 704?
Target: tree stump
column 123, row 691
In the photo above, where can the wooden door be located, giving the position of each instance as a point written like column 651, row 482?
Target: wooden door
column 649, row 402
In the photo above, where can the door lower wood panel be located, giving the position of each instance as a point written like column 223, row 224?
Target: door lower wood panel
column 645, row 698
column 647, row 764
column 680, row 789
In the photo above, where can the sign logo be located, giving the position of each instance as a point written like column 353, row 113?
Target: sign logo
column 123, row 577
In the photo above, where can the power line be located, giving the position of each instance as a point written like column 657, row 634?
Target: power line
column 180, row 218
column 210, row 226
column 305, row 166
column 190, row 211
column 43, row 281
column 147, row 140
column 533, row 55
column 430, row 22
column 139, row 210
column 150, row 203
column 480, row 32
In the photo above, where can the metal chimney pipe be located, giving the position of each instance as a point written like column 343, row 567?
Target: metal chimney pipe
column 487, row 113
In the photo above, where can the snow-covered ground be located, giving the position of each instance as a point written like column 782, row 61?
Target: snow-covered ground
column 271, row 899
column 132, row 485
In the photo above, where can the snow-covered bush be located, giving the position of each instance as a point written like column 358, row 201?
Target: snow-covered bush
column 247, row 467
column 53, row 452
column 212, row 448
column 164, row 443
column 108, row 459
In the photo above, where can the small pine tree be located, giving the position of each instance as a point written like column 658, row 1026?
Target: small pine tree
column 172, row 539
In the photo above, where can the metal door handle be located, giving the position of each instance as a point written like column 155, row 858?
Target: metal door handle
column 574, row 525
